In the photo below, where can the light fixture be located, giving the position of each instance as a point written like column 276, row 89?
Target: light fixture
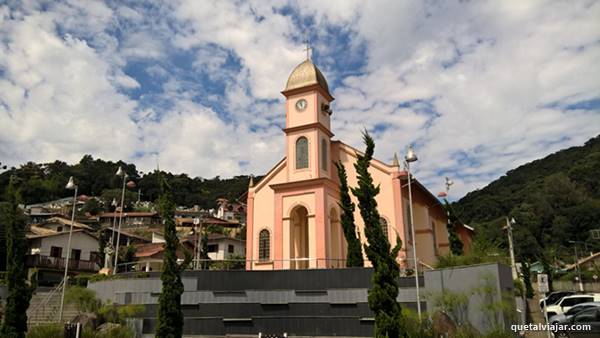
column 71, row 184
column 410, row 155
column 120, row 171
column 512, row 221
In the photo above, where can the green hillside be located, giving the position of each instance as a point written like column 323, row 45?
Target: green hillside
column 554, row 200
column 40, row 182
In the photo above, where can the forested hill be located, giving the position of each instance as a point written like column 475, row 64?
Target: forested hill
column 554, row 199
column 40, row 182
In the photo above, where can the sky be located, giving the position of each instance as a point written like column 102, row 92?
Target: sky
column 479, row 87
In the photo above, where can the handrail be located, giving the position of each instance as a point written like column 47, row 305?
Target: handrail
column 46, row 300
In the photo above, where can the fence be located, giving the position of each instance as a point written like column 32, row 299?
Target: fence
column 148, row 265
column 560, row 285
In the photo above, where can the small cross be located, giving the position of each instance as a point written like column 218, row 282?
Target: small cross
column 308, row 47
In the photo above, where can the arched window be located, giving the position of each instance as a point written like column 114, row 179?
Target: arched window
column 264, row 245
column 324, row 154
column 384, row 226
column 302, row 153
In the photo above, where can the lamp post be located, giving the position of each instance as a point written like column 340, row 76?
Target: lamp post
column 120, row 172
column 114, row 223
column 409, row 158
column 70, row 186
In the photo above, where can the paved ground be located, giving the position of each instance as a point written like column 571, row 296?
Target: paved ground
column 536, row 315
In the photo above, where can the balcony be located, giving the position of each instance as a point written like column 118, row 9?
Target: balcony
column 58, row 263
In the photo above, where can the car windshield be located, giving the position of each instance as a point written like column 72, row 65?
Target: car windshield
column 576, row 300
column 553, row 298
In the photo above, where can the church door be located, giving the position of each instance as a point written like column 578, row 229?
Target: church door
column 299, row 238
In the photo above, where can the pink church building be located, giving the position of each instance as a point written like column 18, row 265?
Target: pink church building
column 293, row 219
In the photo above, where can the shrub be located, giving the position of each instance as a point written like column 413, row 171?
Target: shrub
column 84, row 299
column 46, row 331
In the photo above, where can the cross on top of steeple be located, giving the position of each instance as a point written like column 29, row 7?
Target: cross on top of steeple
column 308, row 48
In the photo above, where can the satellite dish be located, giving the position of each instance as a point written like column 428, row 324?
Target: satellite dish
column 196, row 221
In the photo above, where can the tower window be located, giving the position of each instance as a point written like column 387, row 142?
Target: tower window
column 264, row 245
column 324, row 154
column 302, row 153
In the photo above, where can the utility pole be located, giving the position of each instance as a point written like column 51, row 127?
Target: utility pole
column 511, row 247
column 577, row 264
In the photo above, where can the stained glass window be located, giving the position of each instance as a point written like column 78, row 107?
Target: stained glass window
column 264, row 245
column 302, row 153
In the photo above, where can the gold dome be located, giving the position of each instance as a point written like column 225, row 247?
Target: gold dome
column 304, row 75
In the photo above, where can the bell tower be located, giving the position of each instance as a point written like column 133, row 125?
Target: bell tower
column 307, row 123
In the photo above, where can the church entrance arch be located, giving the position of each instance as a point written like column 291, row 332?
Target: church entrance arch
column 299, row 238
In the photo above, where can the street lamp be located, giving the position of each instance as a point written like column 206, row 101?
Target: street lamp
column 120, row 172
column 409, row 158
column 70, row 186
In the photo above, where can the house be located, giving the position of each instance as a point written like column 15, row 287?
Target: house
column 293, row 217
column 40, row 212
column 48, row 253
column 231, row 210
column 149, row 257
column 221, row 247
column 60, row 224
column 130, row 219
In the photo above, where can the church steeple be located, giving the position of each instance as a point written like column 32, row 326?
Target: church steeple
column 307, row 127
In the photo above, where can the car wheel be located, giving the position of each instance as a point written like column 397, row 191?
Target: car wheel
column 561, row 335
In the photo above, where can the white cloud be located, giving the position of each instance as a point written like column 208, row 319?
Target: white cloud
column 480, row 87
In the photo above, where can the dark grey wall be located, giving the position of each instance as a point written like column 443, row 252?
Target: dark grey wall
column 322, row 302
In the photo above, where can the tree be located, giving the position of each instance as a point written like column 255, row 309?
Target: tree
column 19, row 292
column 456, row 245
column 93, row 206
column 384, row 291
column 354, row 256
column 170, row 315
column 526, row 269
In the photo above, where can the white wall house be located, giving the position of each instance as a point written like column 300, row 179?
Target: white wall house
column 83, row 245
column 222, row 247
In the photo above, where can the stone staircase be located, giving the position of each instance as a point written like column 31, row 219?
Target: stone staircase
column 44, row 307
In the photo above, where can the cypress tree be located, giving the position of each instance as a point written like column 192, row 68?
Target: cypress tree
column 170, row 315
column 384, row 290
column 14, row 323
column 354, row 256
column 456, row 245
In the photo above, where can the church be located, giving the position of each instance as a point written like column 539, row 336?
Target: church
column 293, row 218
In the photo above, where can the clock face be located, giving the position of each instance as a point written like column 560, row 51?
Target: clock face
column 301, row 104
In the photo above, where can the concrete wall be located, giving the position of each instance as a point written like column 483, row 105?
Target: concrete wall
column 318, row 302
column 471, row 281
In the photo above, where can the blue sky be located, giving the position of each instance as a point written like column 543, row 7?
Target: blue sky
column 479, row 87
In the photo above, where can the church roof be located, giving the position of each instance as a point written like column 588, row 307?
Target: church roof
column 306, row 74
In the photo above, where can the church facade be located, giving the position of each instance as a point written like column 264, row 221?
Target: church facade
column 293, row 219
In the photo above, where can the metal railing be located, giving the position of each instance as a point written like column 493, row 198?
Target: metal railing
column 50, row 317
column 39, row 261
column 253, row 264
